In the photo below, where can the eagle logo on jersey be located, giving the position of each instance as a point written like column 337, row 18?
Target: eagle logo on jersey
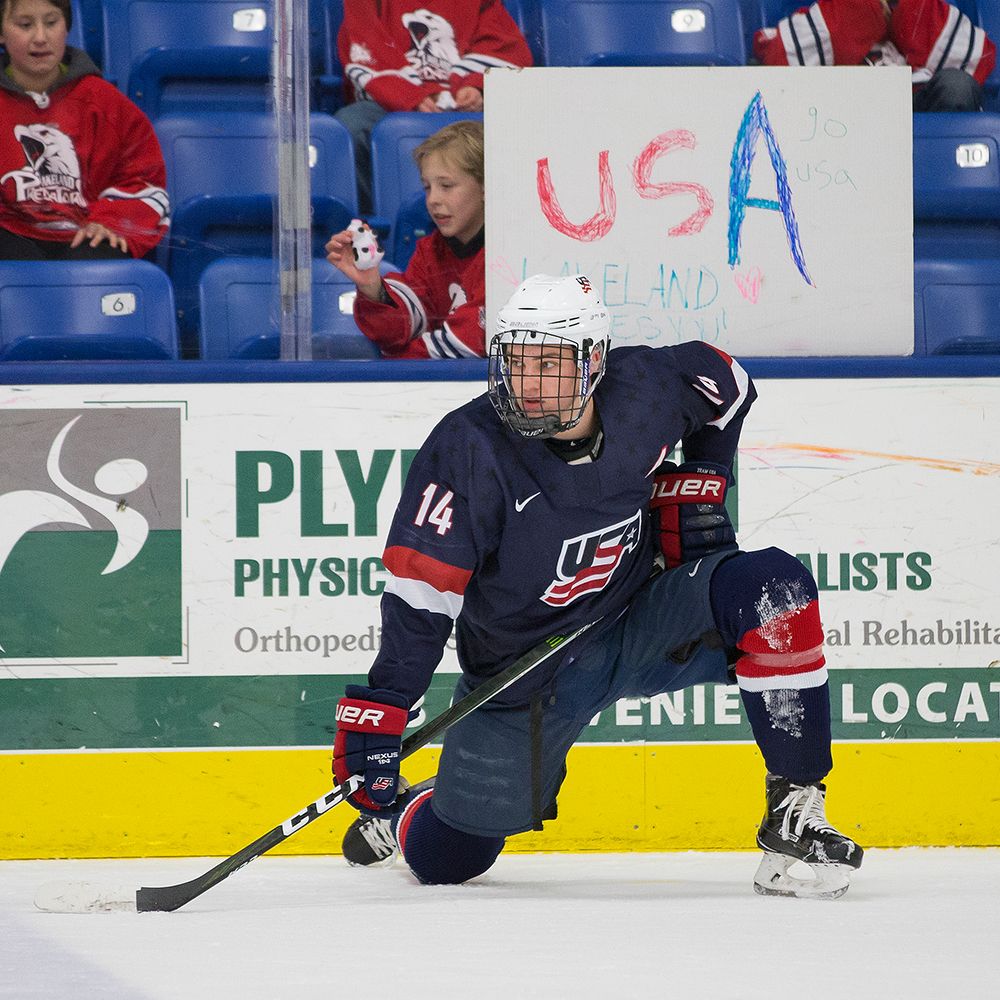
column 52, row 172
column 434, row 50
column 587, row 562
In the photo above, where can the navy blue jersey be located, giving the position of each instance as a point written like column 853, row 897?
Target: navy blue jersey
column 500, row 536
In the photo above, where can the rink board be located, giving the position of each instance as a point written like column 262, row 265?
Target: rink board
column 631, row 797
column 189, row 574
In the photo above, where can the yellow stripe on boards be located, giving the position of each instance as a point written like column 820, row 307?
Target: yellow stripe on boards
column 629, row 797
column 179, row 803
column 711, row 797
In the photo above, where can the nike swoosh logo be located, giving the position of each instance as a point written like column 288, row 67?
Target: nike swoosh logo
column 519, row 505
column 695, row 570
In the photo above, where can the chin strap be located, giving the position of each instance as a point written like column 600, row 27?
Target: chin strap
column 578, row 452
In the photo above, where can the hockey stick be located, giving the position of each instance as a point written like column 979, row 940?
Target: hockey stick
column 80, row 897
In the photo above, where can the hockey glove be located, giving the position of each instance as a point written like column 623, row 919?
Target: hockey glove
column 688, row 508
column 370, row 726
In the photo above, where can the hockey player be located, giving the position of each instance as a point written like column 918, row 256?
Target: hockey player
column 541, row 506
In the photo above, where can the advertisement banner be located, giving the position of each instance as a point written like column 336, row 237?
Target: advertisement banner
column 199, row 565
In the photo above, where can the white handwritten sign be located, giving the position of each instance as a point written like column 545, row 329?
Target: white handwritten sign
column 766, row 210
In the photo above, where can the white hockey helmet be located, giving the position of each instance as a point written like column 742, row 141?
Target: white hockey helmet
column 565, row 313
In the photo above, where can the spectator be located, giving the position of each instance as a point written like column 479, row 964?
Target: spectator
column 398, row 58
column 437, row 308
column 949, row 56
column 81, row 173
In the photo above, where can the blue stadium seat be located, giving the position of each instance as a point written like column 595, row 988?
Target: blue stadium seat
column 86, row 310
column 222, row 177
column 87, row 30
column 395, row 177
column 526, row 16
column 989, row 20
column 170, row 55
column 75, row 36
column 970, row 7
column 335, row 14
column 413, row 222
column 642, row 33
column 753, row 19
column 770, row 12
column 240, row 312
column 175, row 56
column 956, row 232
column 957, row 305
column 325, row 18
column 956, row 166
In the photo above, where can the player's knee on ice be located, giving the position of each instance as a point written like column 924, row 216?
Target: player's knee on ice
column 438, row 854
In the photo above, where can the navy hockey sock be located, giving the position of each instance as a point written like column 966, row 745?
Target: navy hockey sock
column 792, row 729
column 766, row 604
column 437, row 853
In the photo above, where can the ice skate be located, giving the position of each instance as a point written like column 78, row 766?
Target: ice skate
column 795, row 834
column 370, row 840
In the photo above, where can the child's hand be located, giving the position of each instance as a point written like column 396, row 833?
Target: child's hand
column 468, row 99
column 341, row 253
column 365, row 245
column 96, row 234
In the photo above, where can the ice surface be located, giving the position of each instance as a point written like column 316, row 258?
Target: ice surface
column 916, row 923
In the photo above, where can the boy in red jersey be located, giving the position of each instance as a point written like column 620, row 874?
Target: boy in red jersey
column 81, row 173
column 436, row 309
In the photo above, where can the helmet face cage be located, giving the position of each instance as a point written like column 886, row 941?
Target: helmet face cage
column 550, row 335
column 540, row 382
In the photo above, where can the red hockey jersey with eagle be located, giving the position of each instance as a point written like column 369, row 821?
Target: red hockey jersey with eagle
column 397, row 52
column 81, row 153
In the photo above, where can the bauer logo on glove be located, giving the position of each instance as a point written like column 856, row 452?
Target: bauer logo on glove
column 689, row 512
column 696, row 489
column 370, row 726
column 367, row 252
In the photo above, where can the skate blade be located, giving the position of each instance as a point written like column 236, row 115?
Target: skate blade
column 84, row 897
column 384, row 863
column 777, row 876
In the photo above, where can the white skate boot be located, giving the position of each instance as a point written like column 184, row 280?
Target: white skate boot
column 370, row 840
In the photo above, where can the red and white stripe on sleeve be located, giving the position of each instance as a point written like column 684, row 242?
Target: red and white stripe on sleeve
column 934, row 35
column 425, row 583
column 826, row 33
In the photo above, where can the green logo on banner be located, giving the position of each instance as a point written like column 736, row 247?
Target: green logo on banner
column 90, row 533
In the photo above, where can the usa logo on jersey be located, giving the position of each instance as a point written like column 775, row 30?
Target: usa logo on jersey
column 587, row 562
